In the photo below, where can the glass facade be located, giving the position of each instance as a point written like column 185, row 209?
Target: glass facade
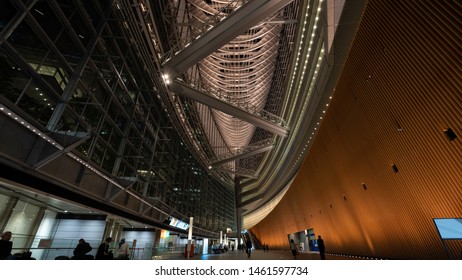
column 73, row 66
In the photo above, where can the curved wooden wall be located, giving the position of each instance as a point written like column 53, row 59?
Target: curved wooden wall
column 400, row 89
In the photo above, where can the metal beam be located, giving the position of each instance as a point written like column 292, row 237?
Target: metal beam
column 68, row 140
column 243, row 155
column 232, row 26
column 189, row 92
column 241, row 172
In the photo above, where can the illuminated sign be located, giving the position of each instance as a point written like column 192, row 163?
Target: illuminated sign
column 178, row 224
column 164, row 233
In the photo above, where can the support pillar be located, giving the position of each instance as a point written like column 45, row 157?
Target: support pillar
column 35, row 227
column 10, row 204
column 237, row 196
column 190, row 233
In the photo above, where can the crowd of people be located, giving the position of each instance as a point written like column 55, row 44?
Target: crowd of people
column 81, row 252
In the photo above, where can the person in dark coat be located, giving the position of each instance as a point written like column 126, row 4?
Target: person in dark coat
column 293, row 248
column 80, row 252
column 103, row 250
column 248, row 247
column 321, row 247
column 5, row 245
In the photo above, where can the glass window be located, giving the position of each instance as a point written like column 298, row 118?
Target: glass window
column 92, row 115
column 109, row 160
column 21, row 222
column 79, row 101
column 125, row 171
column 55, row 77
column 80, row 28
column 45, row 231
column 12, row 79
column 7, row 13
column 98, row 152
column 139, row 186
column 91, row 81
column 36, row 103
column 67, row 122
column 47, row 19
column 94, row 13
column 117, row 116
column 106, row 72
column 67, row 47
column 106, row 130
column 115, row 140
column 84, row 148
column 130, row 156
column 67, row 7
column 27, row 43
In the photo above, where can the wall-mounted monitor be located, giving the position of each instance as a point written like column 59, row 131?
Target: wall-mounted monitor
column 449, row 228
column 178, row 224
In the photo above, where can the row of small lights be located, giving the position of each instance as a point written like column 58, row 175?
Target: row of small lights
column 89, row 166
column 355, row 257
column 316, row 72
column 27, row 125
column 36, row 131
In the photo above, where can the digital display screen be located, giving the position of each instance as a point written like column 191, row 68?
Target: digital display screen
column 178, row 224
column 449, row 228
column 182, row 225
column 173, row 222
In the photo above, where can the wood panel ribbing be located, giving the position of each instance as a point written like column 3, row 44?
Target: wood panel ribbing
column 401, row 87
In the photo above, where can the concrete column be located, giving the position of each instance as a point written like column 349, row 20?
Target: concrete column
column 33, row 230
column 190, row 233
column 11, row 203
column 108, row 230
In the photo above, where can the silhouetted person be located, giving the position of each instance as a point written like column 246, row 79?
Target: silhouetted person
column 80, row 252
column 21, row 256
column 103, row 250
column 5, row 245
column 321, row 247
column 248, row 247
column 293, row 248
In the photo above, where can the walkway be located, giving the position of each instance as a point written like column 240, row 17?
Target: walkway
column 256, row 255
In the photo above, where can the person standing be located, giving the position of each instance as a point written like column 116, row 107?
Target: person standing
column 293, row 248
column 248, row 247
column 103, row 250
column 80, row 252
column 321, row 247
column 123, row 251
column 5, row 245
